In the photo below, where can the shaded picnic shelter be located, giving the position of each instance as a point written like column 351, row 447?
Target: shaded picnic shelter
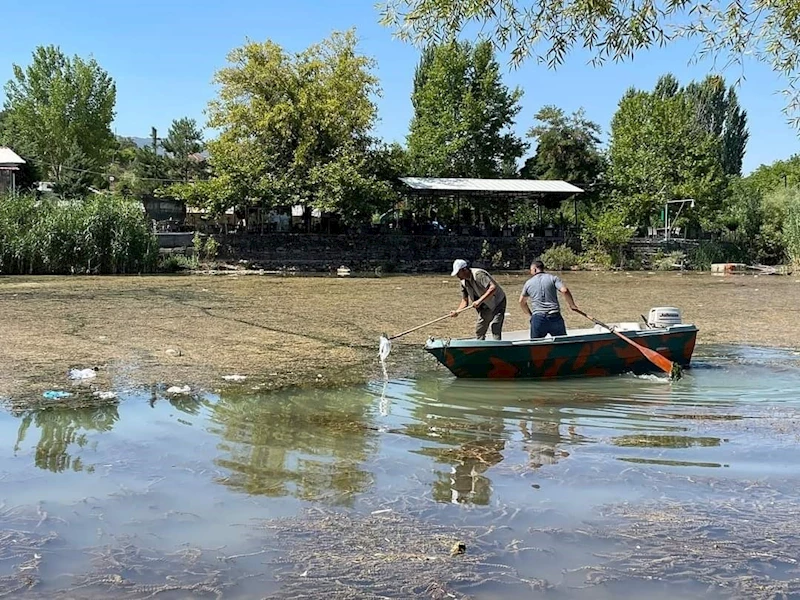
column 543, row 193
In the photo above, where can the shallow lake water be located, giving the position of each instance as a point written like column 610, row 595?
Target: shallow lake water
column 617, row 487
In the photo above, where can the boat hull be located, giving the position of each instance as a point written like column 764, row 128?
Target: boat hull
column 590, row 355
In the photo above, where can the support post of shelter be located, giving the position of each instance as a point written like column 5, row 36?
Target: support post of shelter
column 575, row 205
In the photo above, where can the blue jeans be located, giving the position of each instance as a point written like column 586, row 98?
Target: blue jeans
column 542, row 324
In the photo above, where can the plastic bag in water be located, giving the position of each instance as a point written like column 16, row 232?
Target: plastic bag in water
column 56, row 395
column 176, row 391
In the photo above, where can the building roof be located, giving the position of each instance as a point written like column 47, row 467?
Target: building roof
column 9, row 158
column 467, row 186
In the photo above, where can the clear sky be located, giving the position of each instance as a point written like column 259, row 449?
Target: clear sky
column 163, row 54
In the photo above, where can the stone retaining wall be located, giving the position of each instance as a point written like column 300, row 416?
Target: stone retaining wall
column 390, row 252
column 400, row 253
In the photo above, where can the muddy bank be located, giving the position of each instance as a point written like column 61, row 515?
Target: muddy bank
column 279, row 331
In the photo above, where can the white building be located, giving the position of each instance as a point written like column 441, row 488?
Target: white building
column 10, row 162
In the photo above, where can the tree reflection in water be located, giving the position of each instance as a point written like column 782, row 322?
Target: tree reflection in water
column 309, row 444
column 62, row 428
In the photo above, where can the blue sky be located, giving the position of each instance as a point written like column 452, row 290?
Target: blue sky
column 163, row 55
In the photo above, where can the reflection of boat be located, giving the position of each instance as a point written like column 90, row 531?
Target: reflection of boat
column 580, row 353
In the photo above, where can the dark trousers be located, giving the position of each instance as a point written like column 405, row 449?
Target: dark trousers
column 542, row 324
column 490, row 319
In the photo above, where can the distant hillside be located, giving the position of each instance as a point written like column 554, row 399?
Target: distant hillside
column 145, row 142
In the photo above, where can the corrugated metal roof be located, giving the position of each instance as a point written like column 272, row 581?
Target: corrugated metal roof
column 9, row 157
column 519, row 186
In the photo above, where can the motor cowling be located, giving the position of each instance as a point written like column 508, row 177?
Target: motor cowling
column 664, row 316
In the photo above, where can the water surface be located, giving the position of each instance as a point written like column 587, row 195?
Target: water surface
column 570, row 484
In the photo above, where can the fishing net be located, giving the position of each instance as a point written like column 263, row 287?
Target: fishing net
column 384, row 349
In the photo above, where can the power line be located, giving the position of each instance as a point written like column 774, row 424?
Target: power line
column 107, row 175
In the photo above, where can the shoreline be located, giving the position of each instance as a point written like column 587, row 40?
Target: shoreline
column 298, row 331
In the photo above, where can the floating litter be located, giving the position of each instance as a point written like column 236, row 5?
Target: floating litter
column 56, row 395
column 175, row 390
column 105, row 395
column 234, row 377
column 82, row 373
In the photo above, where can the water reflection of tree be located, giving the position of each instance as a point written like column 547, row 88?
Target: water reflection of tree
column 59, row 428
column 307, row 444
column 470, row 426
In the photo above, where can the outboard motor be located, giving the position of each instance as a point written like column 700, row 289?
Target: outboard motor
column 664, row 316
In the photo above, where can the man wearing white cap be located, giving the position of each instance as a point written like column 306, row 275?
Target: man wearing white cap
column 486, row 296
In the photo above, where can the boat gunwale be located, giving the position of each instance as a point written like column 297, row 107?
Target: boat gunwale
column 437, row 343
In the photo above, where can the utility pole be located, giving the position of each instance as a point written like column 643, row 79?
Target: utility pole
column 154, row 135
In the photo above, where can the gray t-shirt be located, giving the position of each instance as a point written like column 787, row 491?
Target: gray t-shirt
column 542, row 291
column 474, row 288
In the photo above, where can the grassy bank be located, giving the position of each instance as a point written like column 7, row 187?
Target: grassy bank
column 291, row 330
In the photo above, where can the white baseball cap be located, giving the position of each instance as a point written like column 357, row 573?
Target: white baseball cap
column 457, row 266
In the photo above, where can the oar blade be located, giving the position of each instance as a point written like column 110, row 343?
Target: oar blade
column 671, row 368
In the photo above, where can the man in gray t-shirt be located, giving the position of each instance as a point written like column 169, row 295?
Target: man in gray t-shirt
column 539, row 299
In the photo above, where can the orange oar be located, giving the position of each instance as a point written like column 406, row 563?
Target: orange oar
column 673, row 369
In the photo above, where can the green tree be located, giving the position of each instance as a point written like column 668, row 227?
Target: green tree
column 150, row 172
column 658, row 151
column 183, row 143
column 463, row 114
column 781, row 173
column 283, row 118
column 568, row 147
column 548, row 30
column 59, row 103
column 718, row 113
column 77, row 175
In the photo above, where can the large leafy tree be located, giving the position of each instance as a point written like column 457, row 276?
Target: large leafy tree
column 567, row 147
column 463, row 114
column 548, row 30
column 779, row 174
column 659, row 152
column 293, row 129
column 718, row 112
column 59, row 111
column 183, row 144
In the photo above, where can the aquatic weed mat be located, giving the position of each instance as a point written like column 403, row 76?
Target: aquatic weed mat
column 129, row 571
column 384, row 555
column 21, row 548
column 740, row 540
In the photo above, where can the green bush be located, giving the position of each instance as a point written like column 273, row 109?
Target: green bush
column 172, row 263
column 608, row 233
column 212, row 248
column 669, row 261
column 559, row 258
column 98, row 235
column 595, row 260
